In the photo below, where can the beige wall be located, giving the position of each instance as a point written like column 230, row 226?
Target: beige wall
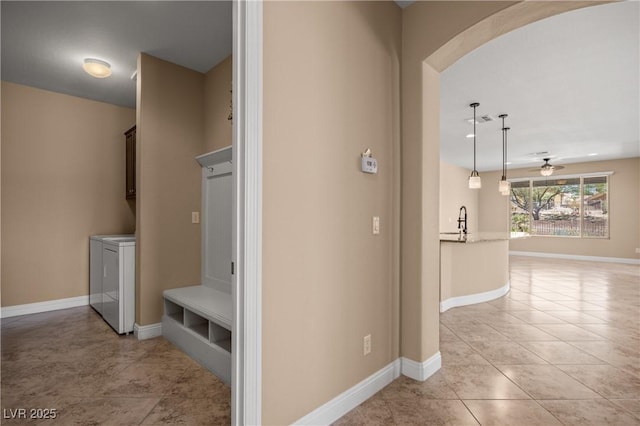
column 331, row 88
column 454, row 193
column 63, row 162
column 217, row 101
column 624, row 222
column 493, row 207
column 170, row 135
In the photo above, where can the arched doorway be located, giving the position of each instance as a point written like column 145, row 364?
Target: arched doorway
column 437, row 34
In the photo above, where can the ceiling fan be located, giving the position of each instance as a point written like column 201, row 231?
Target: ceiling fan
column 547, row 168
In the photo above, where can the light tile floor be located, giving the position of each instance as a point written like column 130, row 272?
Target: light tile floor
column 72, row 361
column 563, row 347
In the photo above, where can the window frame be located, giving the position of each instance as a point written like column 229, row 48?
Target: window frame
column 581, row 218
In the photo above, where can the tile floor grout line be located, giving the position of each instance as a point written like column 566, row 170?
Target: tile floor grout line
column 150, row 411
column 471, row 412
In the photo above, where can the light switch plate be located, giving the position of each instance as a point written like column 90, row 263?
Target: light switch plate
column 375, row 225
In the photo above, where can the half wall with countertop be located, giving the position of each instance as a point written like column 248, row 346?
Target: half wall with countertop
column 473, row 268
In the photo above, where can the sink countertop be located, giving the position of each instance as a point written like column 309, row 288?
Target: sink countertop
column 476, row 237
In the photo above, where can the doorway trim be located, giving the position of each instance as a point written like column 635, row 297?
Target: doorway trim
column 246, row 365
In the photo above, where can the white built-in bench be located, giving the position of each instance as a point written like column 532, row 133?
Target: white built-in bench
column 198, row 319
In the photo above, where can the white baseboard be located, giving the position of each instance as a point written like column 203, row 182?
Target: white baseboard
column 421, row 370
column 351, row 398
column 472, row 299
column 575, row 257
column 144, row 332
column 50, row 305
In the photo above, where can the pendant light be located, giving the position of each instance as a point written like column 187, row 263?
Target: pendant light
column 474, row 179
column 504, row 186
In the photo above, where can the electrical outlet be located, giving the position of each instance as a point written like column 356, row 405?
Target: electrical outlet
column 367, row 345
column 375, row 225
column 195, row 217
column 638, row 250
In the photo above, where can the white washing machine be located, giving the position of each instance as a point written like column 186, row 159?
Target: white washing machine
column 112, row 279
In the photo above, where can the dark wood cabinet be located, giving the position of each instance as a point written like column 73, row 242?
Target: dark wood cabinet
column 130, row 138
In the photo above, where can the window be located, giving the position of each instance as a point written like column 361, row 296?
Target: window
column 563, row 206
column 520, row 200
column 595, row 220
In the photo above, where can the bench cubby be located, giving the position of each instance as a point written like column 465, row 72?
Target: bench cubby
column 197, row 319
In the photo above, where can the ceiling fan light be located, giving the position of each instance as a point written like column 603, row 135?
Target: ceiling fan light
column 97, row 68
column 546, row 170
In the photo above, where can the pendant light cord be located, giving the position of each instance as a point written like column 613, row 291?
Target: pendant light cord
column 504, row 148
column 474, row 136
column 474, row 106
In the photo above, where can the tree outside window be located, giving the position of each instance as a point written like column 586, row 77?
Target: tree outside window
column 520, row 200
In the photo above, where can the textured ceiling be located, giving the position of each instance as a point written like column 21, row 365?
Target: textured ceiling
column 45, row 43
column 569, row 84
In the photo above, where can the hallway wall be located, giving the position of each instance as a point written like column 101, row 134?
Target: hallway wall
column 170, row 134
column 331, row 90
column 181, row 114
column 63, row 160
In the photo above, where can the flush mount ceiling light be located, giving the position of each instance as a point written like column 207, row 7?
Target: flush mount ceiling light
column 504, row 186
column 97, row 68
column 474, row 179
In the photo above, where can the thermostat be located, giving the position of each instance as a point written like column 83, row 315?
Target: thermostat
column 369, row 165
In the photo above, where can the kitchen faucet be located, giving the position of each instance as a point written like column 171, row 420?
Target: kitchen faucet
column 462, row 223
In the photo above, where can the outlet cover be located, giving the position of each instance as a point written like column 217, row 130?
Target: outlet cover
column 638, row 250
column 195, row 217
column 367, row 344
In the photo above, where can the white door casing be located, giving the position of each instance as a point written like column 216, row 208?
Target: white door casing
column 246, row 396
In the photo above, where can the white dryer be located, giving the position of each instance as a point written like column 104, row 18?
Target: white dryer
column 112, row 279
